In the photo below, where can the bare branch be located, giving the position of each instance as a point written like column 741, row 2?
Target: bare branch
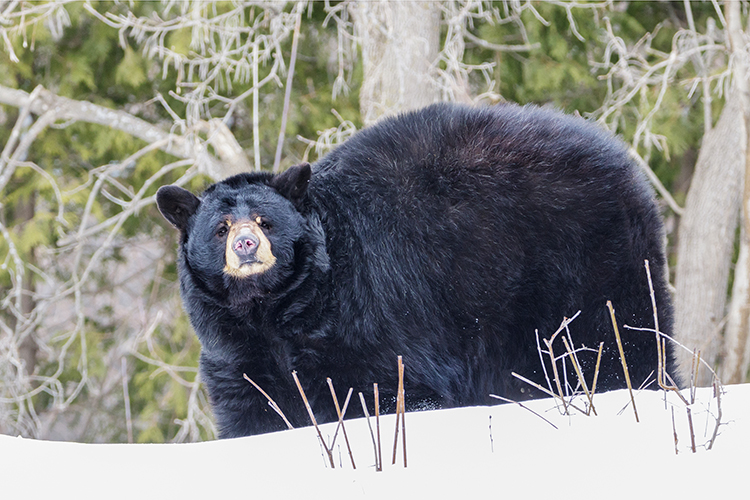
column 61, row 108
column 522, row 406
column 312, row 419
column 271, row 402
column 288, row 90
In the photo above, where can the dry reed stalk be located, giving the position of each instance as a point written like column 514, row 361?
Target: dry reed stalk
column 403, row 405
column 534, row 384
column 522, row 406
column 690, row 424
column 694, row 374
column 674, row 431
column 556, row 373
column 666, row 379
column 622, row 358
column 492, row 441
column 312, row 418
column 653, row 296
column 579, row 373
column 271, row 402
column 398, row 421
column 717, row 395
column 596, row 370
column 661, row 344
column 662, row 351
column 667, row 383
column 647, row 382
column 673, row 388
column 546, row 391
column 341, row 414
column 661, row 357
column 572, row 354
column 400, row 412
column 377, row 425
column 695, row 364
column 563, row 325
column 372, row 433
column 541, row 360
column 660, row 368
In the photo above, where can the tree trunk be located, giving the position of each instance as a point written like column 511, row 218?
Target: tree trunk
column 736, row 349
column 400, row 43
column 736, row 352
column 706, row 239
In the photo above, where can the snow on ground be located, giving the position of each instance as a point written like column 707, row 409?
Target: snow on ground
column 450, row 455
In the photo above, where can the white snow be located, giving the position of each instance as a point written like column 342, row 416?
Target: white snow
column 449, row 455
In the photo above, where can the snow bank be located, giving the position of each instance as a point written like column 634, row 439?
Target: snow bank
column 499, row 451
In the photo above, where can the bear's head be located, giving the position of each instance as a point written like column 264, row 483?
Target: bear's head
column 238, row 239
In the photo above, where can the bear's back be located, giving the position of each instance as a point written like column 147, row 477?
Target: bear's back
column 485, row 141
column 526, row 159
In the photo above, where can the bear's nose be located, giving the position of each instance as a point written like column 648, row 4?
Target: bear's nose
column 245, row 245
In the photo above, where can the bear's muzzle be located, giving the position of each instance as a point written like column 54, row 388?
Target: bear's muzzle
column 248, row 250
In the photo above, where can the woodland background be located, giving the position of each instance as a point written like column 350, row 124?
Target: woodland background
column 103, row 102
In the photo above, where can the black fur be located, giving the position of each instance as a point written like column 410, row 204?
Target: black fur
column 447, row 235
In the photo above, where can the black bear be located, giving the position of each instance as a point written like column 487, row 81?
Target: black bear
column 448, row 235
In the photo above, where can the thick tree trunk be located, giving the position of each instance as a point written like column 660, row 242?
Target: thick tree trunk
column 736, row 350
column 400, row 43
column 706, row 239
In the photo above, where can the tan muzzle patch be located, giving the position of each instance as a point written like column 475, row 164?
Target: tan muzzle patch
column 255, row 258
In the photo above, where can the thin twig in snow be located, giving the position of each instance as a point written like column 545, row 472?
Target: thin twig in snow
column 541, row 360
column 717, row 395
column 674, row 431
column 341, row 414
column 492, row 441
column 372, row 433
column 400, row 412
column 556, row 373
column 312, row 418
column 522, row 406
column 546, row 391
column 690, row 425
column 403, row 406
column 377, row 424
column 622, row 357
column 271, row 402
column 574, row 360
column 596, row 370
column 694, row 374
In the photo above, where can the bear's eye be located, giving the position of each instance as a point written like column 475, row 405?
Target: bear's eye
column 263, row 223
column 222, row 231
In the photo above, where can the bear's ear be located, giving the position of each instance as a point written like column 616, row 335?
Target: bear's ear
column 292, row 183
column 177, row 205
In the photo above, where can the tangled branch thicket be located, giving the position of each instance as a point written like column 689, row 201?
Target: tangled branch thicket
column 97, row 289
column 87, row 275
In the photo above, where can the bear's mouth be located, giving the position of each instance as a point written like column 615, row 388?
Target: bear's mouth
column 248, row 250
